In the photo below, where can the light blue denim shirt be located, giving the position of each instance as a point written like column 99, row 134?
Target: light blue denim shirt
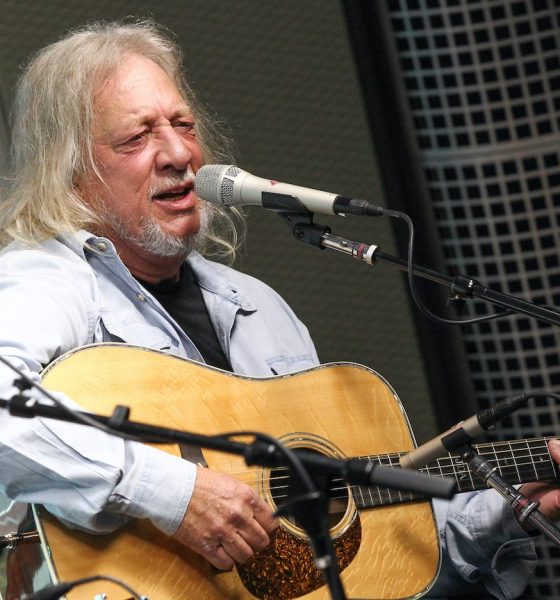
column 62, row 295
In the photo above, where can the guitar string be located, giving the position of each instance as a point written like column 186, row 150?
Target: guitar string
column 502, row 462
column 527, row 474
column 388, row 494
column 483, row 449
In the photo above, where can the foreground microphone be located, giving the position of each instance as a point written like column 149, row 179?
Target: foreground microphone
column 229, row 185
column 461, row 434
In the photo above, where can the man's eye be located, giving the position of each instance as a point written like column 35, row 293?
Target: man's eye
column 135, row 138
column 186, row 126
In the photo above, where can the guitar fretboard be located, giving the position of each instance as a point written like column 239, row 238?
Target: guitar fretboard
column 518, row 461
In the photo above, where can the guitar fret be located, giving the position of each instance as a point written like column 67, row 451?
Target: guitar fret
column 440, row 469
column 460, row 469
column 399, row 492
column 385, row 460
column 390, row 493
column 532, row 459
column 462, row 473
column 379, row 490
column 379, row 496
column 539, row 463
column 403, row 496
column 509, row 463
column 472, row 480
column 361, row 490
column 517, row 461
column 451, row 469
column 501, row 465
column 544, row 461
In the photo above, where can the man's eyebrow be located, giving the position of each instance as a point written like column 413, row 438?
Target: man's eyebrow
column 143, row 118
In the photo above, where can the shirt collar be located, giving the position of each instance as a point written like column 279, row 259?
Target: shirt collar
column 212, row 278
column 208, row 274
column 79, row 240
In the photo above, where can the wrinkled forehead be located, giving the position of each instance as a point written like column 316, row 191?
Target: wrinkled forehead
column 129, row 69
column 138, row 91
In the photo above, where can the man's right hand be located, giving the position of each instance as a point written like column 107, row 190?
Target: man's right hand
column 226, row 521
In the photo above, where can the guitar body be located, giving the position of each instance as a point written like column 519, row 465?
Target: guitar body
column 385, row 553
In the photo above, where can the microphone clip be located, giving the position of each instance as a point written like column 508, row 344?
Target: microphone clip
column 303, row 228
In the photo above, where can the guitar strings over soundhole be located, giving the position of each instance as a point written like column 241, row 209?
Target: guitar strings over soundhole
column 277, row 485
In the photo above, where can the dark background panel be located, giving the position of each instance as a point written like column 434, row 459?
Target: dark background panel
column 281, row 78
column 477, row 84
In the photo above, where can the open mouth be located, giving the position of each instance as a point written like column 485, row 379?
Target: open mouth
column 174, row 193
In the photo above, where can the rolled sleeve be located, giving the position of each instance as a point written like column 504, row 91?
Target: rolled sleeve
column 157, row 486
column 92, row 480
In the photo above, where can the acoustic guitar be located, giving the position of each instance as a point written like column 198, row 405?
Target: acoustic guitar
column 386, row 541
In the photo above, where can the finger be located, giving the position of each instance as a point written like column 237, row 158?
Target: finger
column 550, row 504
column 237, row 548
column 264, row 515
column 218, row 557
column 554, row 446
column 254, row 535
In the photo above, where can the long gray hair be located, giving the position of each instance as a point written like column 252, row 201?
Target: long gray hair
column 53, row 118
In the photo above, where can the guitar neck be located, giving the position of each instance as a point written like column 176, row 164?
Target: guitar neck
column 518, row 461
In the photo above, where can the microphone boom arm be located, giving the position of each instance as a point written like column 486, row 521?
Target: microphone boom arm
column 460, row 286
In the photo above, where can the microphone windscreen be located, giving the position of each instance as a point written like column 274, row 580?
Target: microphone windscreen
column 213, row 184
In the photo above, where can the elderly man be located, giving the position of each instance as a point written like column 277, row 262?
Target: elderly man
column 103, row 234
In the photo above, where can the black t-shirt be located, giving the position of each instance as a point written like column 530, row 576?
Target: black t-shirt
column 184, row 302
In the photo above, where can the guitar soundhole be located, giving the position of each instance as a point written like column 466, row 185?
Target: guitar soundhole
column 285, row 487
column 285, row 570
column 282, row 489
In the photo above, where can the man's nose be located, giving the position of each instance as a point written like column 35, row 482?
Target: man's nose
column 173, row 152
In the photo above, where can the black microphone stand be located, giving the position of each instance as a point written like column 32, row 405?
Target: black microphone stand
column 305, row 502
column 460, row 286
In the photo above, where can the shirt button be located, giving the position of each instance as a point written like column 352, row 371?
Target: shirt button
column 101, row 246
column 141, row 297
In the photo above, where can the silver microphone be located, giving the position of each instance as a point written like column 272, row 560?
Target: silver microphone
column 228, row 185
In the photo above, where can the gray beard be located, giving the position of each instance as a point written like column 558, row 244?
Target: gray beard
column 154, row 240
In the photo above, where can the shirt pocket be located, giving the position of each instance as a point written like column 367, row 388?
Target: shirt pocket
column 282, row 365
column 131, row 331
